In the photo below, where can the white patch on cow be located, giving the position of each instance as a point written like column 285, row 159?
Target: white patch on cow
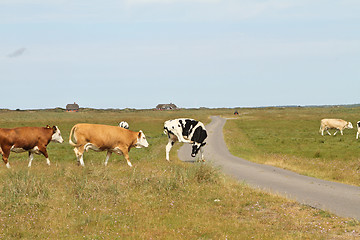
column 35, row 150
column 92, row 147
column 17, row 150
column 124, row 124
column 79, row 157
column 56, row 137
column 31, row 157
column 21, row 150
column 141, row 141
column 108, row 155
column 116, row 150
column 81, row 160
column 8, row 165
column 48, row 161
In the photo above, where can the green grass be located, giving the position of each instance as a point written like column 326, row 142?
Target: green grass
column 153, row 200
column 290, row 138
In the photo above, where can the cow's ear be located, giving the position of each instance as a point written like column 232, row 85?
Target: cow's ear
column 54, row 128
column 139, row 135
column 47, row 126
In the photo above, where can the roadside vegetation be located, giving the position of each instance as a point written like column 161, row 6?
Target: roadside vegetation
column 154, row 199
column 289, row 138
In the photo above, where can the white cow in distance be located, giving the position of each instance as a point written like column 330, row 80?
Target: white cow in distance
column 337, row 124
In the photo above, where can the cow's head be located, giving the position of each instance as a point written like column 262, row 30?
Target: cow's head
column 141, row 140
column 196, row 147
column 349, row 125
column 56, row 137
column 198, row 139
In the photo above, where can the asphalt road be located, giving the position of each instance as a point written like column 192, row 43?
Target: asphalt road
column 340, row 199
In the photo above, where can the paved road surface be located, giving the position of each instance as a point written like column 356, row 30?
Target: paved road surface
column 341, row 199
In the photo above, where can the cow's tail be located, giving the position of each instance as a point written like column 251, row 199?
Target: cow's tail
column 71, row 133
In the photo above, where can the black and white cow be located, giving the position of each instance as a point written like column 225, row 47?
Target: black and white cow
column 124, row 124
column 358, row 131
column 188, row 131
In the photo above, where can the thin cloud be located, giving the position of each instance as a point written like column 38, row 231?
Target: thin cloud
column 17, row 53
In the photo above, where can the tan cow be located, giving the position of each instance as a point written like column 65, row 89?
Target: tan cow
column 30, row 139
column 337, row 124
column 105, row 138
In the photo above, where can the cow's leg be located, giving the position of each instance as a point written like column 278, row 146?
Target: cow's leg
column 31, row 157
column 168, row 148
column 341, row 131
column 42, row 149
column 5, row 155
column 357, row 135
column 336, row 132
column 126, row 155
column 79, row 152
column 108, row 155
column 202, row 154
column 328, row 132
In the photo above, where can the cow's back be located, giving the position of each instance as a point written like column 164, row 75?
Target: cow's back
column 104, row 136
column 22, row 136
column 333, row 122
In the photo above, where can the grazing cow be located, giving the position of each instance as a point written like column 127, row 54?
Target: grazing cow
column 124, row 124
column 338, row 124
column 358, row 131
column 188, row 131
column 28, row 139
column 105, row 138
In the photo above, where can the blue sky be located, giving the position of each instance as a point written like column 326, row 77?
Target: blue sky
column 194, row 53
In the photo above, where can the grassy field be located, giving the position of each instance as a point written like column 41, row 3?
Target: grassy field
column 154, row 199
column 290, row 138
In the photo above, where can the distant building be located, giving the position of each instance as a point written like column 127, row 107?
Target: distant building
column 72, row 107
column 170, row 106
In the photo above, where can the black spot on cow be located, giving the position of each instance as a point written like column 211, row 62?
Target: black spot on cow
column 199, row 135
column 188, row 126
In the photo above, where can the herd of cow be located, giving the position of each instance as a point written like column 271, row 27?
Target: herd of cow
column 113, row 139
column 118, row 139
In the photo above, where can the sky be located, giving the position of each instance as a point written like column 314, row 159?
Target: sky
column 193, row 53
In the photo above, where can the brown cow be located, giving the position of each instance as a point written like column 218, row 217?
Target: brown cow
column 27, row 139
column 105, row 138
